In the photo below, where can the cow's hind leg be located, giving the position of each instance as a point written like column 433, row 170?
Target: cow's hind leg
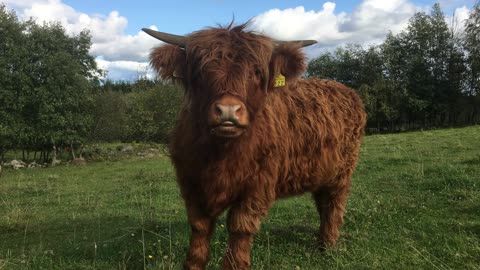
column 331, row 202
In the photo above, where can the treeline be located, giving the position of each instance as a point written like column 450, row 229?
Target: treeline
column 426, row 76
column 144, row 110
column 52, row 98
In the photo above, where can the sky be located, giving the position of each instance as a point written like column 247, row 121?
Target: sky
column 121, row 48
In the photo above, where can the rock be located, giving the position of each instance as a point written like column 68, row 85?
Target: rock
column 126, row 148
column 79, row 161
column 33, row 165
column 149, row 153
column 55, row 162
column 16, row 164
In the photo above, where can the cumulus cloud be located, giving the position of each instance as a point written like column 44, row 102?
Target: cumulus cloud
column 457, row 21
column 369, row 22
column 125, row 70
column 297, row 23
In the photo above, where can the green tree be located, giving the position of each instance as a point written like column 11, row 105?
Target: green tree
column 152, row 112
column 13, row 79
column 46, row 79
column 425, row 66
column 472, row 47
column 110, row 119
column 344, row 65
column 61, row 76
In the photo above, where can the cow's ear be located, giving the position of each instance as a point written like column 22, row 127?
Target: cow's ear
column 169, row 61
column 287, row 61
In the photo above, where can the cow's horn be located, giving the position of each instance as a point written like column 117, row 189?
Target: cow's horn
column 302, row 43
column 165, row 37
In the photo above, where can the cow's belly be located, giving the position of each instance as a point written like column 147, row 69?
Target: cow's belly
column 297, row 184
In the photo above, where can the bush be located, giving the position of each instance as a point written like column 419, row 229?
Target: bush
column 145, row 113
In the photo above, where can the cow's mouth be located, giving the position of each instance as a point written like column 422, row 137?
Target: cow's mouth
column 227, row 129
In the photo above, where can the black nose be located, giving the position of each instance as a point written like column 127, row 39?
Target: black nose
column 227, row 112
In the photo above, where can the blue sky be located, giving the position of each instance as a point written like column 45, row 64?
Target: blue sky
column 185, row 16
column 122, row 49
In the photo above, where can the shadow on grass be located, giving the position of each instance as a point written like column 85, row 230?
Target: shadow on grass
column 292, row 235
column 117, row 241
column 472, row 161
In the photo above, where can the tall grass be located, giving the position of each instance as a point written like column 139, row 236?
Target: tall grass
column 414, row 204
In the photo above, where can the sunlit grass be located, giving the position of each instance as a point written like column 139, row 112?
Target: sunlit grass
column 414, row 204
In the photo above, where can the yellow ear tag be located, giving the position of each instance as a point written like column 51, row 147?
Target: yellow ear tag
column 175, row 74
column 279, row 81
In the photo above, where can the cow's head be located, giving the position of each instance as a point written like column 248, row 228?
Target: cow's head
column 226, row 73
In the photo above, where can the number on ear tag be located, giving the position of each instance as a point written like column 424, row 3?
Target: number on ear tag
column 279, row 81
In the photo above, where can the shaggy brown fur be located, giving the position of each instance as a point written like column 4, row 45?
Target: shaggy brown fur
column 302, row 137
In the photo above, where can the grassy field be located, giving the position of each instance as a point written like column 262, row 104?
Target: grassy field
column 415, row 204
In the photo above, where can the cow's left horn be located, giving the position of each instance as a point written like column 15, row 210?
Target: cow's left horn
column 165, row 37
column 302, row 43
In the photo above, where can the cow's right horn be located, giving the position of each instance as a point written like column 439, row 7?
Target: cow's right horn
column 165, row 37
column 301, row 43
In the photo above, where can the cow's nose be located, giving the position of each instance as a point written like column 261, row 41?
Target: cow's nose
column 227, row 112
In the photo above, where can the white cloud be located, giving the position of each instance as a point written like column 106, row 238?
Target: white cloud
column 125, row 70
column 457, row 21
column 370, row 21
column 22, row 3
column 297, row 23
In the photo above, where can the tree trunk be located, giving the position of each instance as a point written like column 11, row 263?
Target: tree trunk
column 73, row 152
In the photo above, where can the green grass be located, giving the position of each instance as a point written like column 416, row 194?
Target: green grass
column 415, row 204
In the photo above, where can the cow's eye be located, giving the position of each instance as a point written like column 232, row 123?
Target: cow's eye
column 254, row 74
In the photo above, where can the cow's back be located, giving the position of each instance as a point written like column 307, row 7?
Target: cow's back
column 316, row 128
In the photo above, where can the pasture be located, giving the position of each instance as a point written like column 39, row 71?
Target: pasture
column 414, row 204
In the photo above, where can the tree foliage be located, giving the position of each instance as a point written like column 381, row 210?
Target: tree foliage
column 140, row 111
column 45, row 86
column 416, row 78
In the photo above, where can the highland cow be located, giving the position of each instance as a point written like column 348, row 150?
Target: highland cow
column 251, row 131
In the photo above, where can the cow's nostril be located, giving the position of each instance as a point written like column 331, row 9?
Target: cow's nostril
column 218, row 109
column 236, row 108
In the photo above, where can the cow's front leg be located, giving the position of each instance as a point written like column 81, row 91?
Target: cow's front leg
column 202, row 229
column 243, row 222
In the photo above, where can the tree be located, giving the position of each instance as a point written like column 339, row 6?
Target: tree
column 110, row 116
column 425, row 65
column 61, row 76
column 46, row 79
column 152, row 112
column 472, row 47
column 415, row 78
column 12, row 79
